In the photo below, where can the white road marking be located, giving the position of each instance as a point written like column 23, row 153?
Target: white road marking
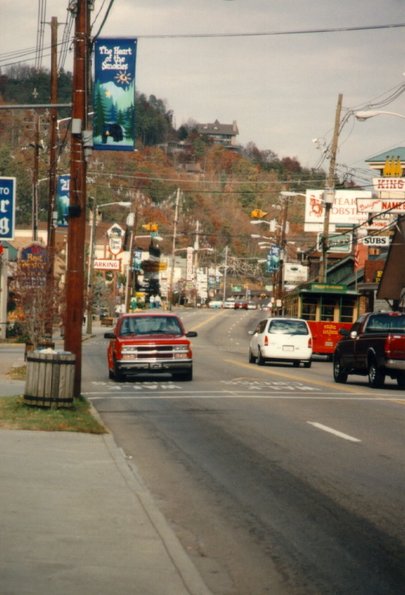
column 228, row 395
column 332, row 431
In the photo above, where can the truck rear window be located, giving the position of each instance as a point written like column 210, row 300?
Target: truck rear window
column 386, row 323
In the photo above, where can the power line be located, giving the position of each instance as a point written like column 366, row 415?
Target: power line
column 40, row 32
column 272, row 33
column 104, row 19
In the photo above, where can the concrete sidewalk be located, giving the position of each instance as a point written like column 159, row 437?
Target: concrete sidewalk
column 11, row 355
column 75, row 517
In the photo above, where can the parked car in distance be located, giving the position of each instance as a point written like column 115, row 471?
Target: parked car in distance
column 154, row 342
column 241, row 305
column 214, row 304
column 278, row 339
column 252, row 306
column 229, row 303
column 373, row 347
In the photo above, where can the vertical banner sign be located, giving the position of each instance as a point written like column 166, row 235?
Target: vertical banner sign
column 7, row 208
column 273, row 259
column 137, row 260
column 62, row 200
column 114, row 94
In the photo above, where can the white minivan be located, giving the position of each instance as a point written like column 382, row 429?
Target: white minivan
column 281, row 340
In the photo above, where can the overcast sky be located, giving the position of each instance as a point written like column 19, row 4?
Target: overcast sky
column 282, row 90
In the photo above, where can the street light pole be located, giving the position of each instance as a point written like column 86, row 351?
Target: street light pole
column 132, row 223
column 330, row 192
column 280, row 291
column 175, row 221
column 90, row 267
column 225, row 273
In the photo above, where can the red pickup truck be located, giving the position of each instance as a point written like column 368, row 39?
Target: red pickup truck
column 153, row 342
column 373, row 347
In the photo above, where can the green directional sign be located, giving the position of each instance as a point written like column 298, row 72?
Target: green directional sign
column 341, row 242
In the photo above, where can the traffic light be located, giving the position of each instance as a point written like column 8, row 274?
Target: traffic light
column 258, row 214
column 151, row 227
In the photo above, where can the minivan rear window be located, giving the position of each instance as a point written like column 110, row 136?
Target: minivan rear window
column 288, row 327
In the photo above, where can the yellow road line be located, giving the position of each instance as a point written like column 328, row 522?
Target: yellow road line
column 207, row 320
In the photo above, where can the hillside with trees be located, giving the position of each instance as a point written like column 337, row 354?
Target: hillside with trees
column 220, row 187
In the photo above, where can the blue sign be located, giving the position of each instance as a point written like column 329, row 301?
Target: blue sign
column 62, row 200
column 137, row 260
column 114, row 94
column 7, row 208
column 273, row 259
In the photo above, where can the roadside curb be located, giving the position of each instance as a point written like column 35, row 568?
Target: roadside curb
column 188, row 572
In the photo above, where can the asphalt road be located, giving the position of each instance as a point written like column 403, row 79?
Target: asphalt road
column 275, row 479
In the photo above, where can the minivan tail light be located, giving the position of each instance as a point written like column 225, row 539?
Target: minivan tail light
column 310, row 342
column 266, row 340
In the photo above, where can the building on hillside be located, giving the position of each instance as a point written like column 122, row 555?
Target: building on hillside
column 220, row 134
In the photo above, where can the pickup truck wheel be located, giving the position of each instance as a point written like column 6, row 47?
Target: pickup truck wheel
column 260, row 359
column 376, row 376
column 401, row 380
column 339, row 372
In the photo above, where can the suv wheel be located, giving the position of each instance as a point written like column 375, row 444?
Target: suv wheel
column 252, row 358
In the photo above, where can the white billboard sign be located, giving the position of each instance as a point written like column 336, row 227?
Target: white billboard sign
column 295, row 273
column 380, row 205
column 106, row 264
column 390, row 187
column 376, row 241
column 115, row 236
column 343, row 211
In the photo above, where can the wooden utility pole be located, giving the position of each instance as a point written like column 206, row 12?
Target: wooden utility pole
column 77, row 205
column 35, row 177
column 329, row 193
column 53, row 158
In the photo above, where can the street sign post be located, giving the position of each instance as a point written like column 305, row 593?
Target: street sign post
column 7, row 208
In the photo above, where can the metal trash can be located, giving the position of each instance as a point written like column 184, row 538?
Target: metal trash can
column 50, row 379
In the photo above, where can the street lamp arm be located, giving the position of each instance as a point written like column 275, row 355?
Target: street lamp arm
column 365, row 115
column 120, row 203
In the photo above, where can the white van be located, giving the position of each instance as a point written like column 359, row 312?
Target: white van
column 281, row 340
